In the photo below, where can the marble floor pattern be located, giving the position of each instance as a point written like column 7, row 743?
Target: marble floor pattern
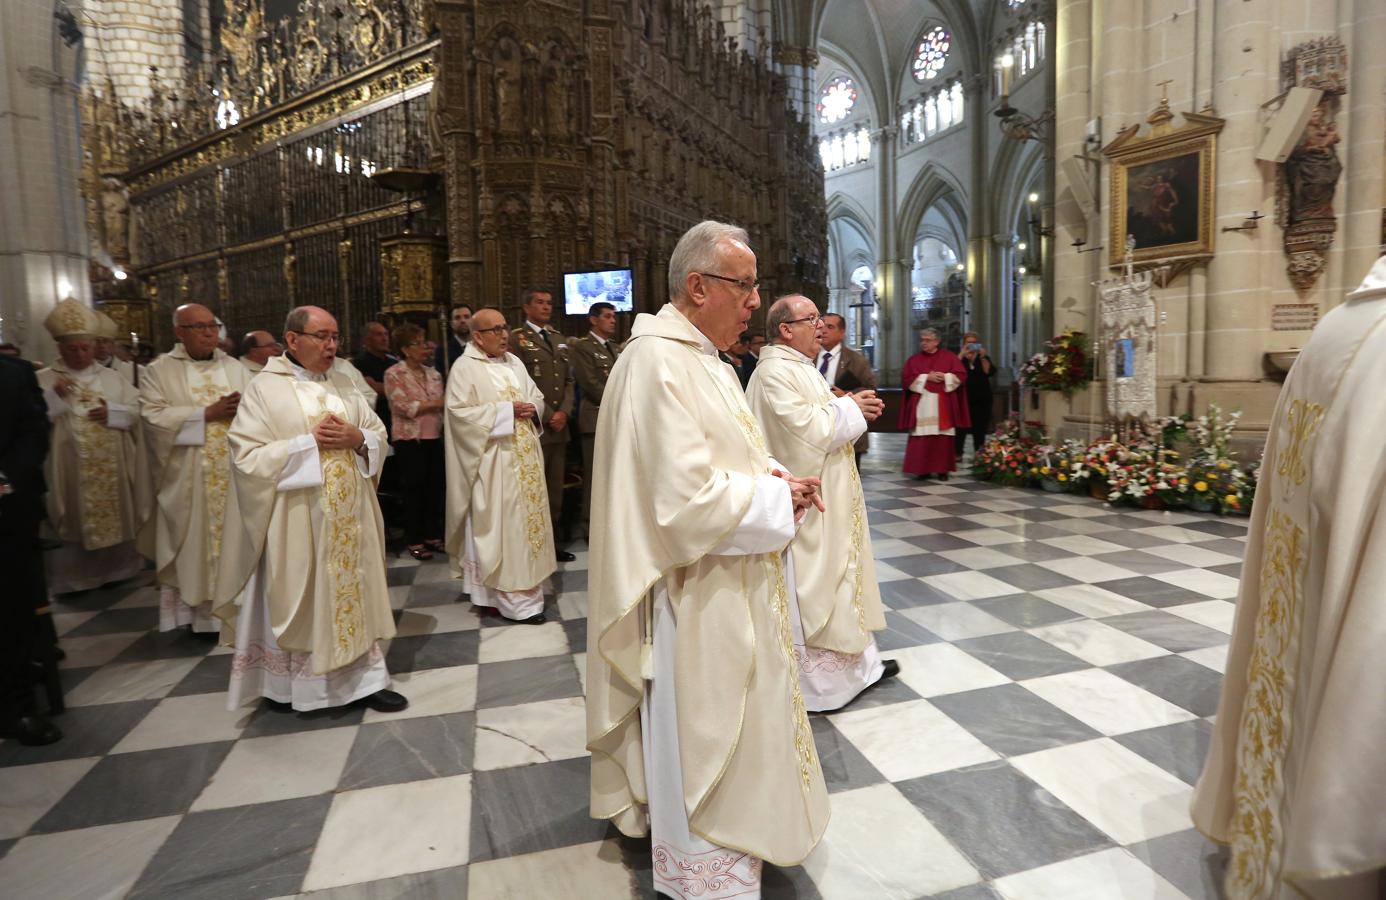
column 1060, row 663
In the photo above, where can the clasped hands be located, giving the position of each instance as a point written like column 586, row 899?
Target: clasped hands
column 66, row 386
column 804, row 493
column 334, row 434
column 224, row 408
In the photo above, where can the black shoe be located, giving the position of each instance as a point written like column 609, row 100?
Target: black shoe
column 386, row 701
column 565, row 556
column 209, row 637
column 276, row 706
column 536, row 619
column 892, row 668
column 31, row 731
column 922, row 477
column 942, row 476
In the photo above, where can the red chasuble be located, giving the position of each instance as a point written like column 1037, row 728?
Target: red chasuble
column 933, row 454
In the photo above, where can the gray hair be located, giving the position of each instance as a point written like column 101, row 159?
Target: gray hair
column 697, row 251
column 932, row 331
column 781, row 313
column 297, row 319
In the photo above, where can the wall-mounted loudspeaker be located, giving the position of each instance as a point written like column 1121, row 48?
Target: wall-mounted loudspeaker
column 1076, row 176
column 1287, row 124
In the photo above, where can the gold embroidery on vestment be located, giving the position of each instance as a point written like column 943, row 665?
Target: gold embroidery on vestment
column 98, row 471
column 1302, row 420
column 1264, row 734
column 530, row 475
column 216, row 472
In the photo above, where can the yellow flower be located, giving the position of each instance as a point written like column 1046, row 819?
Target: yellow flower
column 1044, row 470
column 1200, row 486
column 1183, row 481
column 1212, row 476
column 1231, row 498
column 1224, row 465
column 1063, row 477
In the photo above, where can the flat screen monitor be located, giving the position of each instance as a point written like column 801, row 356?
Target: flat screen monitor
column 582, row 289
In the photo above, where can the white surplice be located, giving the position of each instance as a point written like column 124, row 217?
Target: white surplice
column 499, row 536
column 837, row 600
column 1295, row 779
column 310, row 615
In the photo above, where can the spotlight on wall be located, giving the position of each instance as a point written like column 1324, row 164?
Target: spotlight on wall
column 1033, row 198
column 120, row 274
column 1020, row 270
column 1022, row 246
column 64, row 289
column 961, row 267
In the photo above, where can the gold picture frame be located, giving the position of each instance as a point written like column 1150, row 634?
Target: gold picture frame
column 1163, row 186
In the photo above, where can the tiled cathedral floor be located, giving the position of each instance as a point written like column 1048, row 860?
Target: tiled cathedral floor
column 1060, row 661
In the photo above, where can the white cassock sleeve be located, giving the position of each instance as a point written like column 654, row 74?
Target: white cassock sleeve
column 850, row 423
column 121, row 418
column 768, row 524
column 56, row 405
column 918, row 384
column 302, row 469
column 194, row 430
column 370, row 464
column 505, row 420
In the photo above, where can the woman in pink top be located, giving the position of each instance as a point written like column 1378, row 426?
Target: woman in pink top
column 415, row 391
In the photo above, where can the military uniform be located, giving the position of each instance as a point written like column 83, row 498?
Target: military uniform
column 592, row 361
column 546, row 359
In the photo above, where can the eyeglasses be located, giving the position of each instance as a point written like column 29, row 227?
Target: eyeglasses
column 322, row 337
column 201, row 326
column 746, row 287
column 494, row 330
column 816, row 320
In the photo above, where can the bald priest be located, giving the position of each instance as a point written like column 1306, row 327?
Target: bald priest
column 302, row 585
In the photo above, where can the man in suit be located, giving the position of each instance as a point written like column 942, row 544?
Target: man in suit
column 593, row 356
column 845, row 369
column 544, row 351
column 461, row 326
column 23, row 446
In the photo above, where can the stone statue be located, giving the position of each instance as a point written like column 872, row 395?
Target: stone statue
column 1313, row 169
column 556, row 110
column 115, row 207
column 508, row 103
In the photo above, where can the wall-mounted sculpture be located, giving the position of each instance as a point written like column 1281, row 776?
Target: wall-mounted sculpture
column 1307, row 180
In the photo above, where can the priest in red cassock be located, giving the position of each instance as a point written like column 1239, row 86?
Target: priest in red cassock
column 933, row 408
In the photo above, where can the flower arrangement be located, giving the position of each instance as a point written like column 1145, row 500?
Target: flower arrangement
column 1063, row 365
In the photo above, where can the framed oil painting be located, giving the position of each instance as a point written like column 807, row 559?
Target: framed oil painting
column 1163, row 189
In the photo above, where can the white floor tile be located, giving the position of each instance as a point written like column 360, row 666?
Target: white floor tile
column 957, row 621
column 101, row 862
column 1091, row 601
column 1214, row 658
column 1103, row 701
column 995, row 519
column 119, row 682
column 969, row 585
column 65, row 622
column 178, row 721
column 1097, row 643
column 436, row 619
column 522, row 641
column 30, row 791
column 937, row 669
column 1079, row 526
column 905, row 529
column 530, row 733
column 1201, row 581
column 1125, row 795
column 886, row 572
column 96, row 649
column 583, row 870
column 981, row 558
column 1107, row 875
column 1001, row 505
column 890, row 548
column 258, row 770
column 418, row 826
column 1081, row 568
column 572, row 605
column 988, row 537
column 1175, row 535
column 1083, row 545
column 580, row 660
column 139, row 598
column 891, row 738
column 1082, row 510
column 435, row 574
column 1191, row 555
column 904, row 857
column 919, row 513
column 431, row 692
column 1213, row 613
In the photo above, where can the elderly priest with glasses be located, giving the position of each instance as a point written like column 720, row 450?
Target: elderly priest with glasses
column 188, row 397
column 303, row 582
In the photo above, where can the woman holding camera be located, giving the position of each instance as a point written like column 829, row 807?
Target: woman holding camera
column 977, row 364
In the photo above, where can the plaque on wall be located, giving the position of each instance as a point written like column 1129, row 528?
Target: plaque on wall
column 1294, row 316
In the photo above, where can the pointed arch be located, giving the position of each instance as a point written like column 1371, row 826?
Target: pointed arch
column 933, row 185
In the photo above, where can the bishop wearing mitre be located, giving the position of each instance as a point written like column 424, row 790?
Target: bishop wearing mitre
column 107, row 333
column 499, row 534
column 838, row 602
column 188, row 397
column 302, row 586
column 695, row 718
column 94, row 488
column 1295, row 780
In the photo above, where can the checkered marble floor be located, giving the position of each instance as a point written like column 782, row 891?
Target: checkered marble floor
column 1060, row 662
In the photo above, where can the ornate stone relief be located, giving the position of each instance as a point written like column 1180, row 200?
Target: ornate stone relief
column 1128, row 342
column 1307, row 180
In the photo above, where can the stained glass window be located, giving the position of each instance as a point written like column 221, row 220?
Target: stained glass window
column 932, row 53
column 837, row 100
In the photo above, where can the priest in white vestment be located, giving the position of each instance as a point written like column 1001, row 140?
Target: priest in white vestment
column 838, row 602
column 258, row 348
column 695, row 718
column 1296, row 778
column 188, row 397
column 93, row 466
column 108, row 332
column 302, row 586
column 499, row 534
